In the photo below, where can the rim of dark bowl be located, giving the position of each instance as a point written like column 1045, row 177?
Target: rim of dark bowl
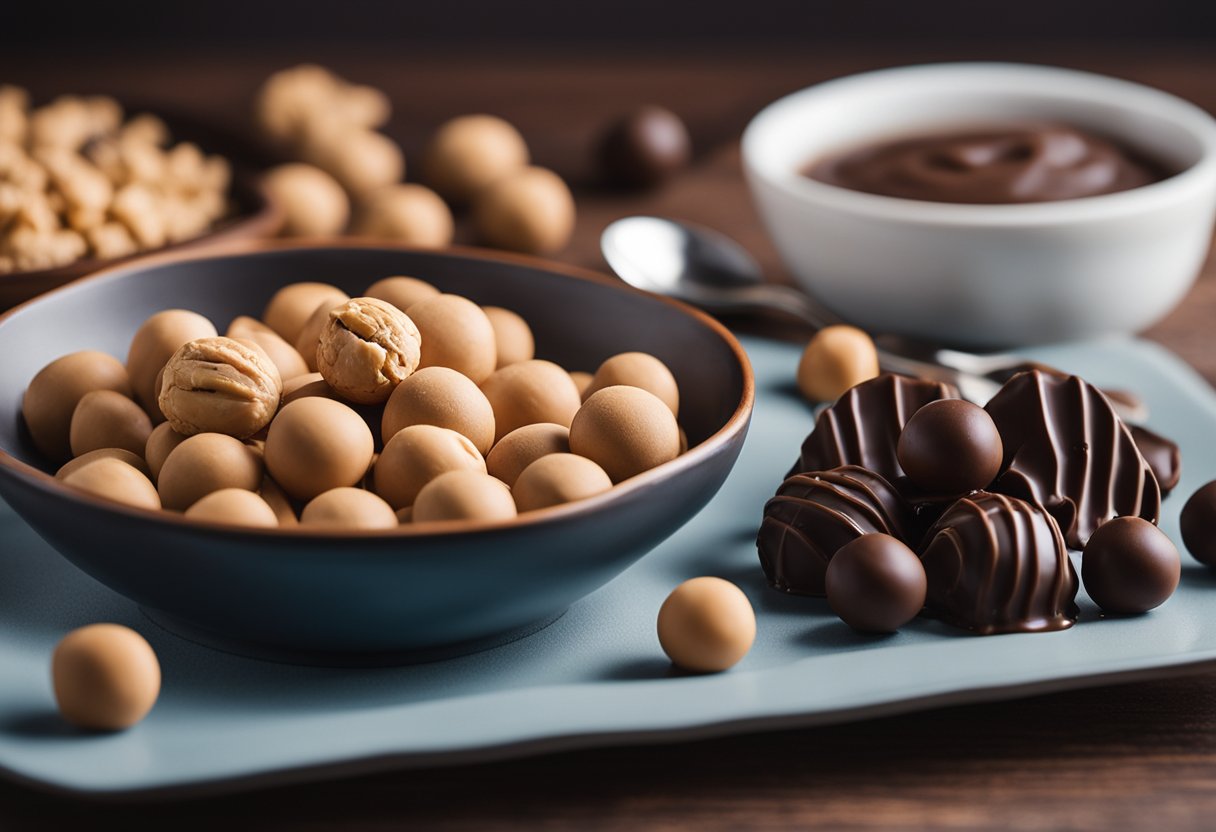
column 448, row 528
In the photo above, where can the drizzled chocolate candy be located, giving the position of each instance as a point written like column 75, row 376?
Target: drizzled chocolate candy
column 1162, row 455
column 1067, row 450
column 814, row 515
column 997, row 564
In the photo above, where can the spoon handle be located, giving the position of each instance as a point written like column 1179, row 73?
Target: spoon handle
column 785, row 299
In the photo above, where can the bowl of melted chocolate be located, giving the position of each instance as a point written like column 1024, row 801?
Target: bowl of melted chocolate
column 987, row 204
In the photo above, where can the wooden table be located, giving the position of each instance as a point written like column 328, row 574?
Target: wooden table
column 1133, row 756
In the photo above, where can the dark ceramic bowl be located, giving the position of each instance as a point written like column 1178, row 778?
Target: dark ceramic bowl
column 411, row 593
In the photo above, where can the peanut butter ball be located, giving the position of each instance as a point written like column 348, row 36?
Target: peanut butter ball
column 706, row 625
column 464, row 495
column 310, row 334
column 290, row 308
column 278, row 501
column 348, row 508
column 220, row 385
column 523, row 446
column 471, row 152
column 626, row 430
column 134, row 460
column 418, row 454
column 311, row 384
column 529, row 392
column 445, row 398
column 455, row 334
column 367, row 348
column 234, row 506
column 512, row 336
column 105, row 676
column 638, row 369
column 206, row 463
column 531, row 210
column 154, row 344
column 836, row 359
column 361, row 160
column 556, row 479
column 582, row 381
column 413, row 214
column 112, row 479
column 316, row 444
column 285, row 357
column 312, row 201
column 160, row 444
column 106, row 419
column 54, row 392
column 402, row 292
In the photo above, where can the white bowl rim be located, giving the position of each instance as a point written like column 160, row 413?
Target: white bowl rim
column 1129, row 94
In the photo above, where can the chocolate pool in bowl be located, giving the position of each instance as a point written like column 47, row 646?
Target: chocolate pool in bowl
column 407, row 594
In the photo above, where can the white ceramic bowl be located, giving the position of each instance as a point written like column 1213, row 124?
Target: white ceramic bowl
column 988, row 275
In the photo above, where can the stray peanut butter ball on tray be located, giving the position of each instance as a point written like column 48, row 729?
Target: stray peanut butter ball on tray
column 220, row 385
column 367, row 348
column 836, row 359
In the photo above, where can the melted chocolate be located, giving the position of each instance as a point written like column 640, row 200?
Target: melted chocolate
column 1162, row 456
column 1067, row 450
column 813, row 515
column 997, row 564
column 863, row 426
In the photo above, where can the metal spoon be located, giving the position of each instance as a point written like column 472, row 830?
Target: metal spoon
column 708, row 269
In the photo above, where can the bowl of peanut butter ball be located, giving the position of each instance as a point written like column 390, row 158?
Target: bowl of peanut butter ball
column 361, row 453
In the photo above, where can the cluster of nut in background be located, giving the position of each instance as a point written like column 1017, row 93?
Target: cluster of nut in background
column 402, row 405
column 347, row 175
column 78, row 181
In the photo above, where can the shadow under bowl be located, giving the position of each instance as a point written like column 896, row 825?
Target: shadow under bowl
column 413, row 593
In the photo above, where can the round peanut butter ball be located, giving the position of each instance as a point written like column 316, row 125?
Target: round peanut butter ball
column 367, row 348
column 311, row 384
column 626, row 430
column 279, row 502
column 582, row 381
column 706, row 625
column 206, row 463
column 455, row 334
column 348, row 508
column 412, row 214
column 418, row 454
column 513, row 337
column 471, row 152
column 531, row 210
column 523, row 446
column 54, row 392
column 310, row 334
column 443, row 397
column 105, row 676
column 112, row 479
column 463, row 495
column 161, row 442
column 402, row 292
column 106, row 419
column 290, row 307
column 285, row 357
column 155, row 342
column 638, row 369
column 236, row 507
column 220, row 385
column 836, row 359
column 134, row 460
column 556, row 479
column 529, row 392
column 312, row 201
column 362, row 161
column 316, row 444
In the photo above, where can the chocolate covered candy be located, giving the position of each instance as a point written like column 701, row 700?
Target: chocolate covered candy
column 1130, row 566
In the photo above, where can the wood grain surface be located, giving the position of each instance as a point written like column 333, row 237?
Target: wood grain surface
column 1132, row 757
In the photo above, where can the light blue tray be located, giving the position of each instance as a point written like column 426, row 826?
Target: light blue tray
column 597, row 675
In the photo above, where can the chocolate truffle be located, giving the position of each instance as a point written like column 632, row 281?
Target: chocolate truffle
column 863, row 426
column 1130, row 566
column 876, row 584
column 1162, row 456
column 997, row 564
column 813, row 515
column 950, row 447
column 1198, row 522
column 644, row 148
column 1067, row 450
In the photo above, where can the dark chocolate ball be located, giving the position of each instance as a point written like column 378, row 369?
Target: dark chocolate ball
column 644, row 148
column 950, row 447
column 876, row 584
column 1199, row 524
column 1130, row 566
